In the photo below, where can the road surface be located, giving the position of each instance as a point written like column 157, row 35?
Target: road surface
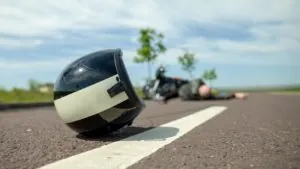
column 261, row 132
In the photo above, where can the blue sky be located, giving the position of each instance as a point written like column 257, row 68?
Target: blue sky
column 249, row 42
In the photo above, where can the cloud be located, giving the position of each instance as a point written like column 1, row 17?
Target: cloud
column 13, row 43
column 47, row 18
column 34, row 65
column 57, row 64
column 228, row 31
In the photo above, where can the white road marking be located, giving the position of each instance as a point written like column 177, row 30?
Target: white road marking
column 126, row 152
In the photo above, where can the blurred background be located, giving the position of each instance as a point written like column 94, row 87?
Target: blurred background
column 234, row 45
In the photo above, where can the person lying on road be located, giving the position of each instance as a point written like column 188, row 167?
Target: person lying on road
column 197, row 89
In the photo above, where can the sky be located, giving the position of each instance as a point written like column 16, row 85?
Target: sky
column 248, row 42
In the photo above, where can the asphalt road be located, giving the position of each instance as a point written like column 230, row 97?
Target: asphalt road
column 261, row 132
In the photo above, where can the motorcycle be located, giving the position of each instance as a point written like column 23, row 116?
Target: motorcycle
column 163, row 86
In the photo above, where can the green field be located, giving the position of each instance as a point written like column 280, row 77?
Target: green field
column 26, row 96
column 290, row 90
column 265, row 89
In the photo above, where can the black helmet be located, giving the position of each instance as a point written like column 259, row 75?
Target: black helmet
column 160, row 72
column 94, row 94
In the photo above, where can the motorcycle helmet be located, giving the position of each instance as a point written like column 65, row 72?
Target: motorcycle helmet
column 160, row 72
column 94, row 94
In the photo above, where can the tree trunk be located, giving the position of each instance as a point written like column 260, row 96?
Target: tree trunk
column 149, row 70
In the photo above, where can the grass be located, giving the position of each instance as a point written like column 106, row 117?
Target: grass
column 287, row 91
column 25, row 96
column 139, row 92
column 266, row 89
column 290, row 90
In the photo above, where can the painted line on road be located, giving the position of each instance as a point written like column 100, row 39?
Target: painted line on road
column 126, row 152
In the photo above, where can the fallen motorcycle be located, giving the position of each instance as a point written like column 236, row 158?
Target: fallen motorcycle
column 163, row 86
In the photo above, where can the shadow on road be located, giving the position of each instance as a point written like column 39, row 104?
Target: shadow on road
column 155, row 134
column 134, row 134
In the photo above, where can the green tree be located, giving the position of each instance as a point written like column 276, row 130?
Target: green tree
column 210, row 75
column 188, row 61
column 151, row 45
column 33, row 85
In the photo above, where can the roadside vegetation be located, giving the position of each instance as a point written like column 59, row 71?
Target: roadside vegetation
column 283, row 89
column 18, row 95
column 22, row 95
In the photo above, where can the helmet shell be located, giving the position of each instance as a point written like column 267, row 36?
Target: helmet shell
column 94, row 93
